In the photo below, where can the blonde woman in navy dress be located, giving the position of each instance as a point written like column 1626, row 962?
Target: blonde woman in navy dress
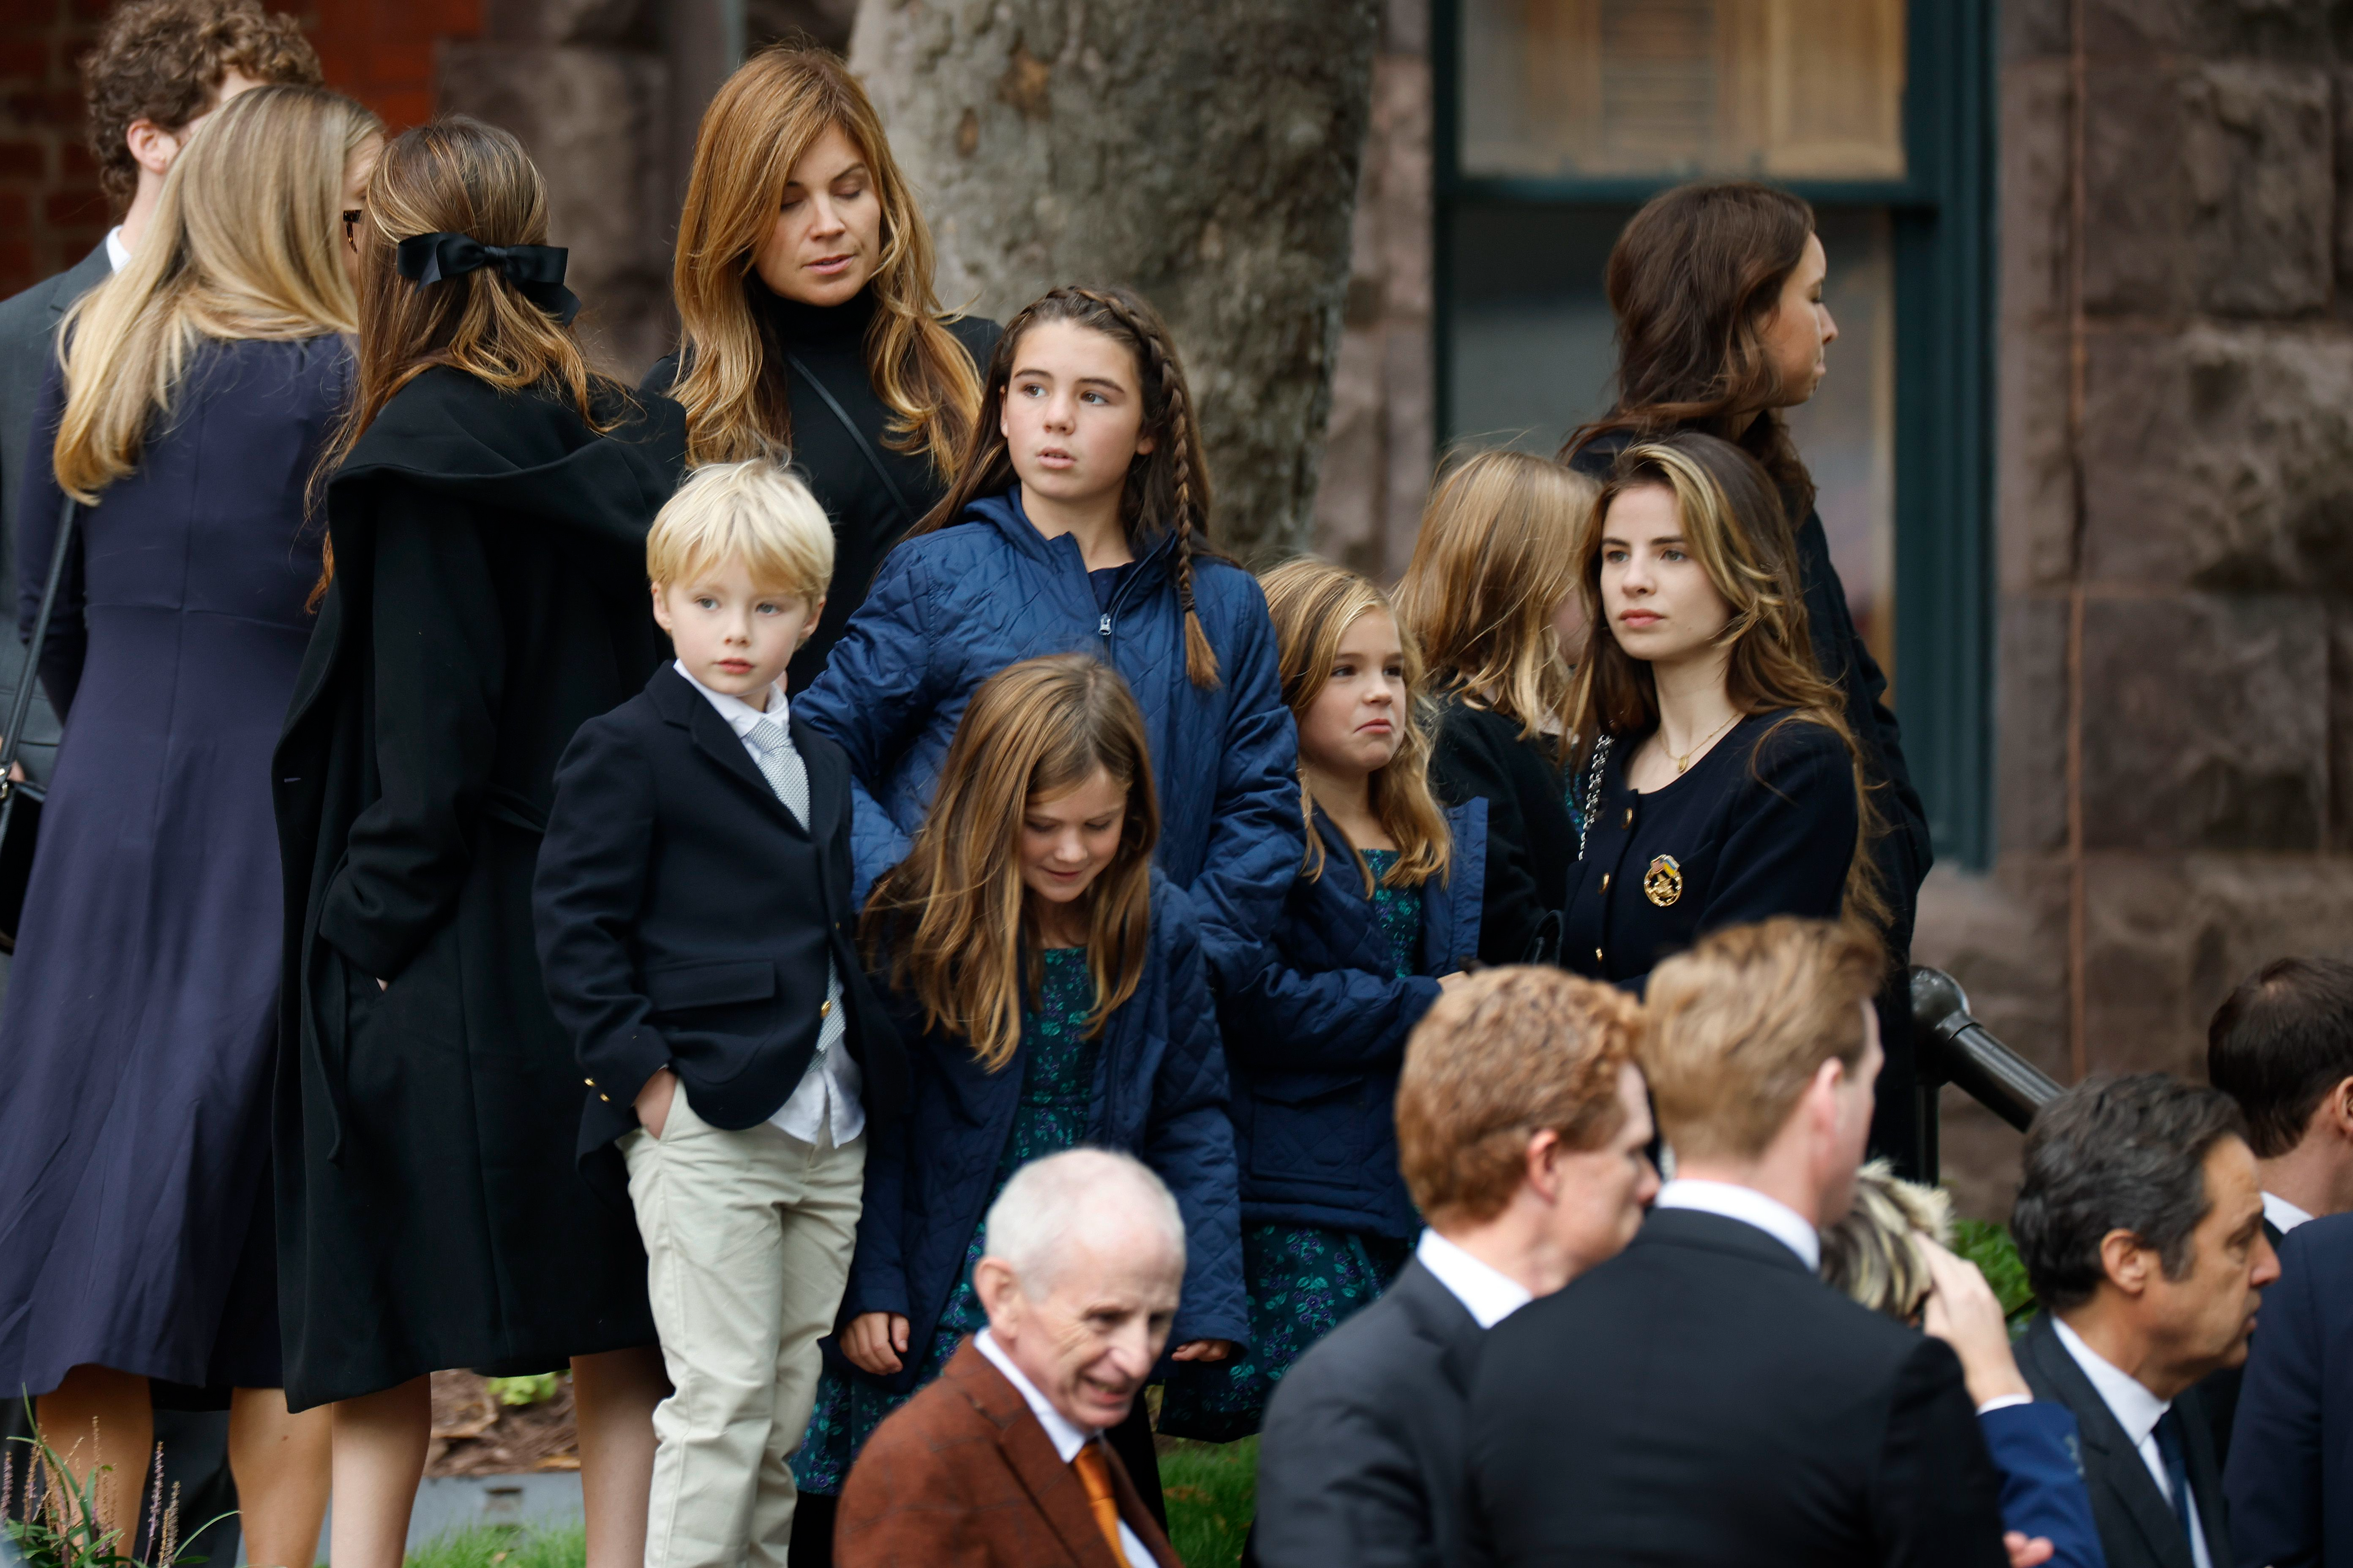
column 1720, row 780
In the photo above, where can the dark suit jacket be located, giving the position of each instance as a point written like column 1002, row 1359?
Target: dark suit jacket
column 28, row 325
column 2290, row 1476
column 1703, row 1398
column 963, row 1475
column 685, row 920
column 2137, row 1526
column 1362, row 1458
column 2218, row 1392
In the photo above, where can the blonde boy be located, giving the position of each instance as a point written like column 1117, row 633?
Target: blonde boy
column 694, row 922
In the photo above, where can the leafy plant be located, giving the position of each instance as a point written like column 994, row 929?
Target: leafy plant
column 1212, row 1490
column 64, row 1526
column 534, row 1390
column 1989, row 1247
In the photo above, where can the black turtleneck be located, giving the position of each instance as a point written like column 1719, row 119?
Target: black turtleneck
column 832, row 342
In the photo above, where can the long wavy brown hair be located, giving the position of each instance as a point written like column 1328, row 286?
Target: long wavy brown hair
column 1734, row 527
column 456, row 176
column 1167, row 488
column 1691, row 283
column 952, row 922
column 731, row 370
column 1312, row 605
column 1496, row 557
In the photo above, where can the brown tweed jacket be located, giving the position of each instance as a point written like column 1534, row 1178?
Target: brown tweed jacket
column 964, row 1476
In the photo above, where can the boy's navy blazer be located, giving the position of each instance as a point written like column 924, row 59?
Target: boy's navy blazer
column 685, row 920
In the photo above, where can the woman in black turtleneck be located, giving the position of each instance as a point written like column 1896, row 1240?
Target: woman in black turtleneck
column 804, row 284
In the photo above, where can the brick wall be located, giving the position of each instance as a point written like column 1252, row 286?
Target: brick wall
column 50, row 209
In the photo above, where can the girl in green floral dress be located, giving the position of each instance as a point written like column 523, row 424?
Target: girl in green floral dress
column 1055, row 995
column 1383, row 913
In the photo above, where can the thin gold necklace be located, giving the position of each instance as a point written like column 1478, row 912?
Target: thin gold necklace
column 1683, row 762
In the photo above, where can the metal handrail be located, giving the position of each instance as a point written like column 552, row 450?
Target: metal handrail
column 1951, row 1046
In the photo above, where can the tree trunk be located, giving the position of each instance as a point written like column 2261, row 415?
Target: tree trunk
column 1204, row 152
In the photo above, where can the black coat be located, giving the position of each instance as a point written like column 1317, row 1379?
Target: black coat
column 1702, row 1398
column 1762, row 825
column 2289, row 1477
column 490, row 598
column 867, row 518
column 2138, row 1527
column 1477, row 752
column 686, row 920
column 1361, row 1461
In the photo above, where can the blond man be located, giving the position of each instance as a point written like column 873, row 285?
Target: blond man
column 1703, row 1397
column 1521, row 1130
column 693, row 913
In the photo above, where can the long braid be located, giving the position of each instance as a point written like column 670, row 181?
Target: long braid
column 1201, row 658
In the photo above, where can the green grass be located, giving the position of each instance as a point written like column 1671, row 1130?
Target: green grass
column 504, row 1546
column 1212, row 1490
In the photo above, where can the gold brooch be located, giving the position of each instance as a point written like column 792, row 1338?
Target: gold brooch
column 1662, row 884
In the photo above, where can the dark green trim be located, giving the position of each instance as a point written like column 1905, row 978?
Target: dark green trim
column 1942, row 215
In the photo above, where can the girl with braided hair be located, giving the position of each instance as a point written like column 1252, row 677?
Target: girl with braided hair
column 1077, row 522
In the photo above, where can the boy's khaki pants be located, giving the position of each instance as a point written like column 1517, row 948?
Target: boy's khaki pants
column 748, row 1238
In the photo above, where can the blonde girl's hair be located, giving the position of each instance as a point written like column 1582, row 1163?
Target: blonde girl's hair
column 731, row 376
column 1312, row 605
column 755, row 511
column 456, row 176
column 246, row 242
column 1167, row 488
column 952, row 919
column 1496, row 558
column 1734, row 527
column 1873, row 1253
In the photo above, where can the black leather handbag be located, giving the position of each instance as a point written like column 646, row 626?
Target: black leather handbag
column 21, row 799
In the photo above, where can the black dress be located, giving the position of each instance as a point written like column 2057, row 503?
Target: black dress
column 868, row 518
column 489, row 598
column 1531, row 840
column 1763, row 824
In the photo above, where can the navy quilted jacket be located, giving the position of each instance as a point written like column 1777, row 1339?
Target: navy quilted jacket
column 952, row 608
column 1315, row 1037
column 1160, row 1095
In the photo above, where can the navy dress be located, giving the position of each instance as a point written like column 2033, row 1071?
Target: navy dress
column 134, row 1129
column 1763, row 824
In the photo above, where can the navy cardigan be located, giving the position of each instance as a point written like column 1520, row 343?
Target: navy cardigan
column 952, row 608
column 1160, row 1095
column 1316, row 1035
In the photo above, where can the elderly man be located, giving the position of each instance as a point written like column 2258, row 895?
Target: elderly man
column 1002, row 1462
column 1703, row 1397
column 1523, row 1129
column 2141, row 1225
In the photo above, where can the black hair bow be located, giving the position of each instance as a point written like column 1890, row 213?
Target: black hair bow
column 535, row 271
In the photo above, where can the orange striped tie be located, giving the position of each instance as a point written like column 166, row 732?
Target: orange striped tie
column 1095, row 1476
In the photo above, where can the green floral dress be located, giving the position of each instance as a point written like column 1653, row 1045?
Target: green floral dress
column 1305, row 1281
column 1058, row 1081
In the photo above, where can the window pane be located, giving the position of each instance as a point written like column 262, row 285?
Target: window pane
column 1530, row 358
column 1792, row 89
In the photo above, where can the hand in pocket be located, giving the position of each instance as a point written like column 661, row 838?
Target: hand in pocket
column 654, row 1100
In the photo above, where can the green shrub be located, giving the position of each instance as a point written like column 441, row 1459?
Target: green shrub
column 1212, row 1490
column 534, row 1390
column 1989, row 1247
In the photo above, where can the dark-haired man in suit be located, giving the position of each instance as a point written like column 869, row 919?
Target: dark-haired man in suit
column 1523, row 1129
column 1703, row 1397
column 2141, row 1225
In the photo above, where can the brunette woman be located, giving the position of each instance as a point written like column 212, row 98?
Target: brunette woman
column 1721, row 781
column 195, row 390
column 1717, row 293
column 1493, row 566
column 804, row 289
column 485, row 596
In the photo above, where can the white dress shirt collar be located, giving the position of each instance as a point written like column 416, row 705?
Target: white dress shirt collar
column 740, row 715
column 2137, row 1410
column 1486, row 1292
column 2284, row 1215
column 1066, row 1436
column 1749, row 1207
column 117, row 255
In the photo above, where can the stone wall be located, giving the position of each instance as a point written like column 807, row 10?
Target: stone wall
column 2175, row 728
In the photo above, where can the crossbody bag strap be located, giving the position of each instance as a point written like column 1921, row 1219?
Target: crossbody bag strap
column 22, row 708
column 873, row 457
